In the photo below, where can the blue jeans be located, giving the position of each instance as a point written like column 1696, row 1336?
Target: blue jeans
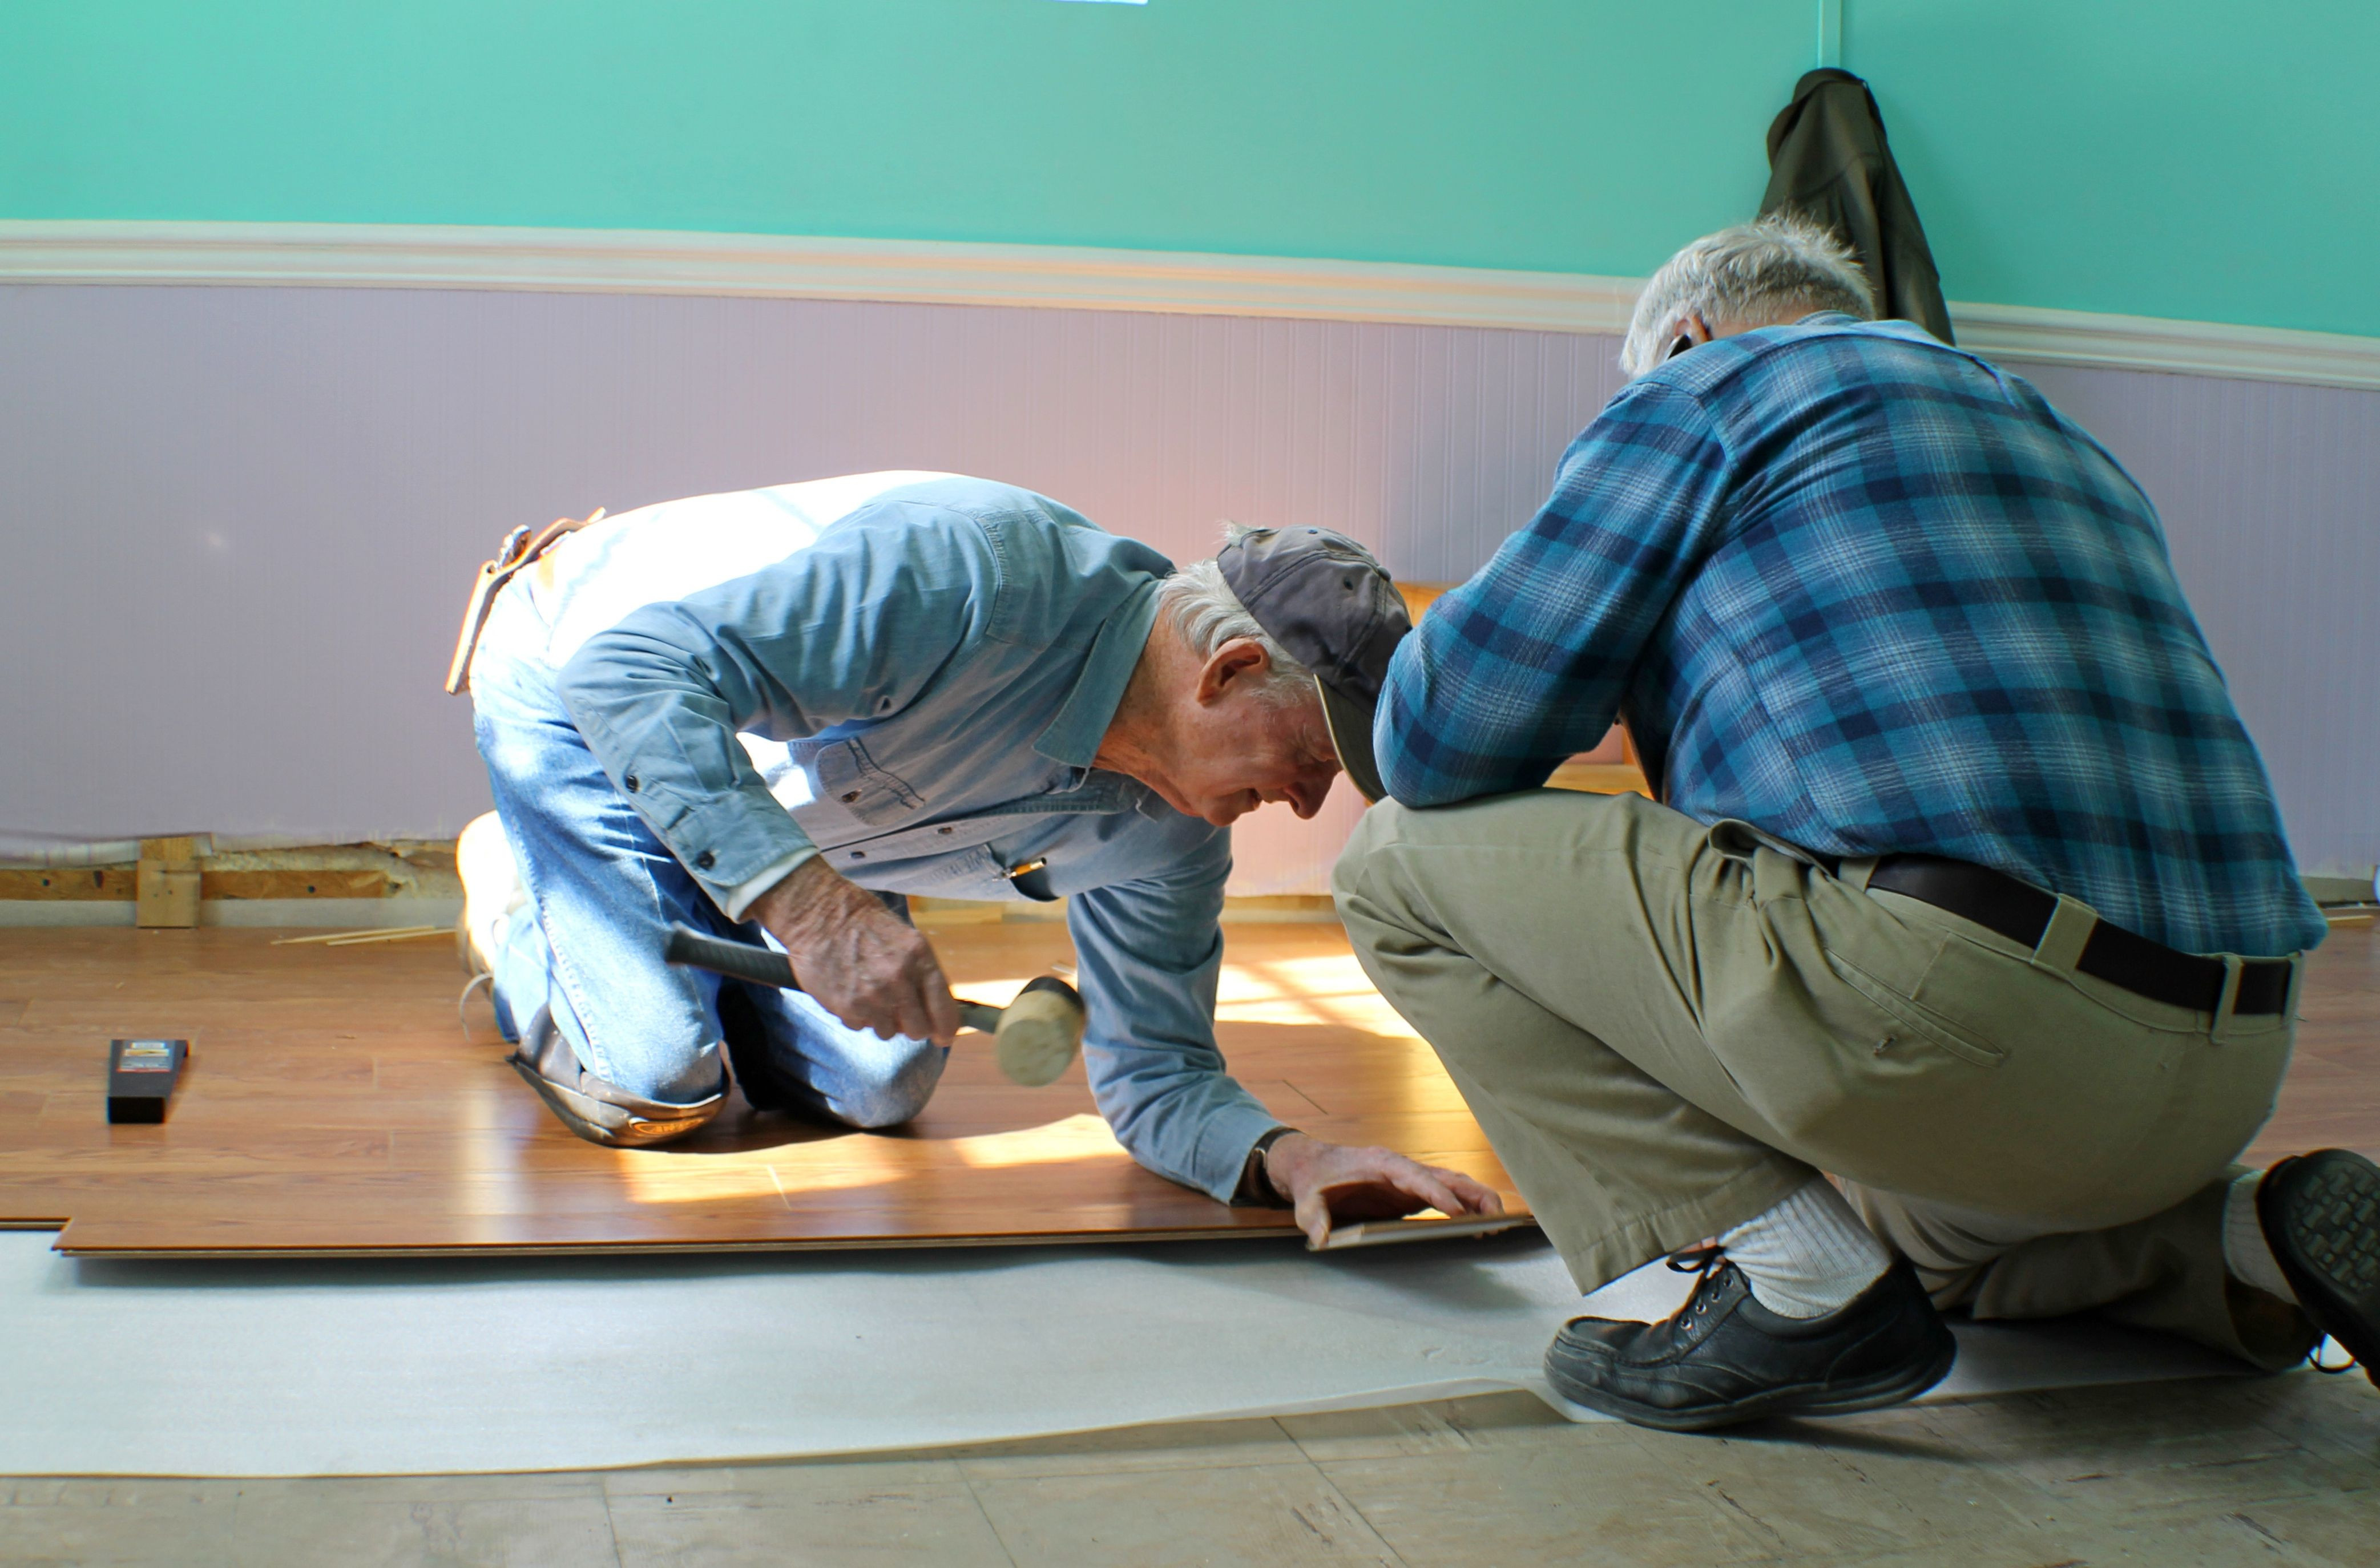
column 604, row 892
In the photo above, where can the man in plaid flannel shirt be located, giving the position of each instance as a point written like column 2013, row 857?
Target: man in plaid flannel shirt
column 1966, row 886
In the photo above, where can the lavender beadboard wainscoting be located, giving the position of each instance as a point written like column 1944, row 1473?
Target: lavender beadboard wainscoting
column 238, row 522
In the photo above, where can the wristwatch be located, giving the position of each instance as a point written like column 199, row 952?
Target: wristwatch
column 1255, row 1185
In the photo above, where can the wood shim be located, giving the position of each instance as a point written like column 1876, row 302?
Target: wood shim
column 353, row 938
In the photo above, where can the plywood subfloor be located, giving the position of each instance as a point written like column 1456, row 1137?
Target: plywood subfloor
column 333, row 1104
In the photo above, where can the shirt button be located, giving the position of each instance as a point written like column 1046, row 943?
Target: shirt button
column 705, row 860
column 631, row 782
column 850, row 797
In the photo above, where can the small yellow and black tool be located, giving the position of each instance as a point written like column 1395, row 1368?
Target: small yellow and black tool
column 1034, row 1038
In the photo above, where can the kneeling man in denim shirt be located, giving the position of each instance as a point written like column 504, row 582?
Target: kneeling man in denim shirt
column 775, row 714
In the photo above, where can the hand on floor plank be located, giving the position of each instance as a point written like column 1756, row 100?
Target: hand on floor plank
column 1329, row 1184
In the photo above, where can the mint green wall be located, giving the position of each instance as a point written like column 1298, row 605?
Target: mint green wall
column 2202, row 158
column 2159, row 157
column 1499, row 133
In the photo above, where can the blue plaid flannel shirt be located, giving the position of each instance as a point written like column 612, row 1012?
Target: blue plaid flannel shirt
column 1871, row 595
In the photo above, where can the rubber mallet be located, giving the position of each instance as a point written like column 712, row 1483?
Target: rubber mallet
column 1034, row 1038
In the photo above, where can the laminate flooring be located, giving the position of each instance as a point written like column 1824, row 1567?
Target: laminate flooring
column 334, row 1105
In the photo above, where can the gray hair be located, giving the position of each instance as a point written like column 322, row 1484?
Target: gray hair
column 1209, row 615
column 1783, row 267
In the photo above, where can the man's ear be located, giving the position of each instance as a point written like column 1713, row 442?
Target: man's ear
column 1237, row 661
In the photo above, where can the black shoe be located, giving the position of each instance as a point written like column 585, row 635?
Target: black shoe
column 598, row 1111
column 2321, row 1216
column 1726, row 1359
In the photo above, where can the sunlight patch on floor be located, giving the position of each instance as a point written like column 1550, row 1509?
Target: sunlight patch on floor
column 832, row 1164
column 1327, row 989
column 1082, row 1135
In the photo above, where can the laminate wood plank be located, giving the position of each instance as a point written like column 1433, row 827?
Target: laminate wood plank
column 334, row 1106
column 144, row 1150
column 230, row 1239
column 370, row 1205
column 1412, row 1094
column 202, row 1116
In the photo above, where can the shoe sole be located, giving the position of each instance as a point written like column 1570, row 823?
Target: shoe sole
column 480, row 865
column 1893, row 1387
column 2333, row 1223
column 597, row 1122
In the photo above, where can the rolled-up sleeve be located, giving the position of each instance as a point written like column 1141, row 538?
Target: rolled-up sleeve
column 853, row 627
column 1148, row 951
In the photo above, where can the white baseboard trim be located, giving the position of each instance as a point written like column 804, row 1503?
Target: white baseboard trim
column 782, row 267
column 1052, row 277
column 2181, row 348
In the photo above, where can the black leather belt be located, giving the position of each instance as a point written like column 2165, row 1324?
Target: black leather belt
column 2020, row 913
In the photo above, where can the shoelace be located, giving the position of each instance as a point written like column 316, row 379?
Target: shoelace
column 464, row 1001
column 1701, row 1261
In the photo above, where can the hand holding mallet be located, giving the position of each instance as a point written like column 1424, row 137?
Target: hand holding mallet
column 1034, row 1038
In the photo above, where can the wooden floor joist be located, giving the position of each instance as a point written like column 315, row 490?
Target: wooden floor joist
column 119, row 884
column 98, row 884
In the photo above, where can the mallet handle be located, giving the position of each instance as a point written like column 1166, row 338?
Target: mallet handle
column 766, row 966
column 761, row 966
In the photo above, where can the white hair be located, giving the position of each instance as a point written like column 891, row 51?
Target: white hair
column 1780, row 268
column 1209, row 615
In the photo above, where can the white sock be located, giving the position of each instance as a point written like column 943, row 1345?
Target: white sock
column 1807, row 1256
column 2245, row 1251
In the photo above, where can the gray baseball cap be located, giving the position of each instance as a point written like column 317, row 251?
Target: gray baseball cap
column 1331, row 608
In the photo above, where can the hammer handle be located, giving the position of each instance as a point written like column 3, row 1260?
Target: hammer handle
column 766, row 966
column 761, row 966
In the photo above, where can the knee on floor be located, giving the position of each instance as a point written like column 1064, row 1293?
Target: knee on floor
column 666, row 1082
column 898, row 1092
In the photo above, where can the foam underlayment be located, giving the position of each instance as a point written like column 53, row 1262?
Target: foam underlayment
column 396, row 1367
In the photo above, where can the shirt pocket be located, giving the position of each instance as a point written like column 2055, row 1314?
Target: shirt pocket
column 850, row 778
column 973, row 873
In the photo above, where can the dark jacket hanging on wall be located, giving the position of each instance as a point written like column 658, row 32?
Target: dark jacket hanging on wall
column 1828, row 160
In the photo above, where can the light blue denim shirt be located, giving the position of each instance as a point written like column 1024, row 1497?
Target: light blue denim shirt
column 910, row 675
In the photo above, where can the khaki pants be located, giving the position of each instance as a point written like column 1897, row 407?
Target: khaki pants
column 1665, row 1028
